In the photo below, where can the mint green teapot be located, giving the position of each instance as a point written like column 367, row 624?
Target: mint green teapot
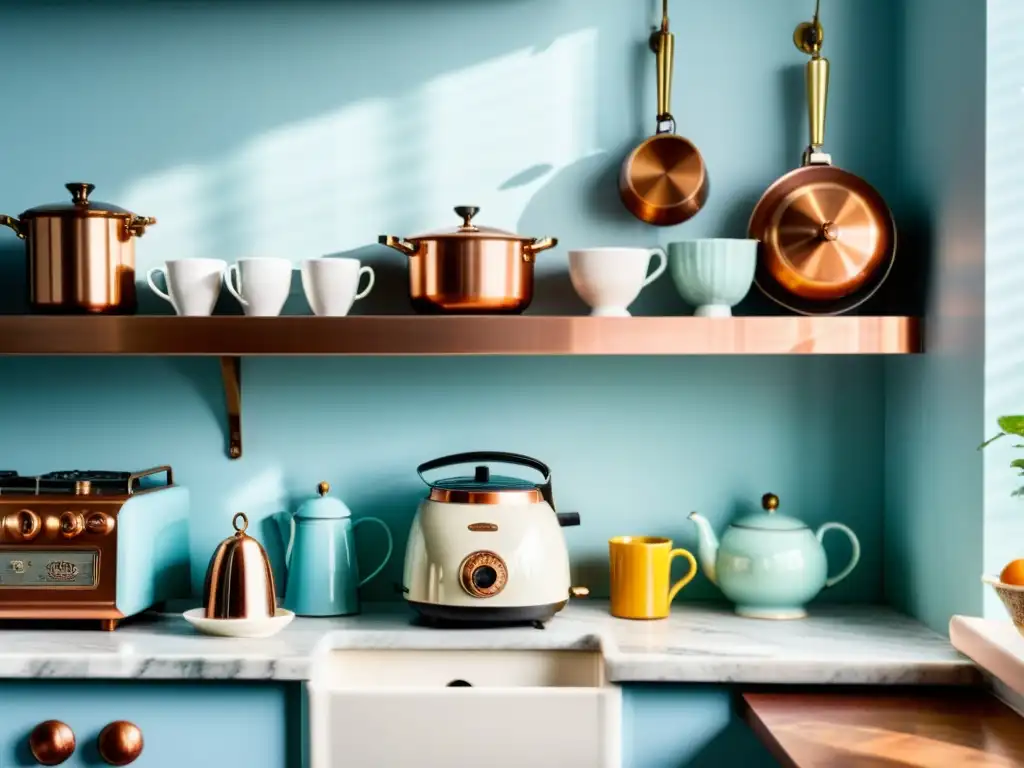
column 770, row 565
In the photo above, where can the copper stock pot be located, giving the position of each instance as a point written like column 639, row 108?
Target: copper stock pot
column 81, row 255
column 470, row 269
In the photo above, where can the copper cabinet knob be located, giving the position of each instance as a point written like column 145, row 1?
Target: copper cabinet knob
column 51, row 742
column 120, row 743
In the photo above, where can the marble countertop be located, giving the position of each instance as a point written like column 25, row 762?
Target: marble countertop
column 697, row 644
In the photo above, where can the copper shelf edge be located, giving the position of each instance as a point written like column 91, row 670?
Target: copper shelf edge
column 236, row 336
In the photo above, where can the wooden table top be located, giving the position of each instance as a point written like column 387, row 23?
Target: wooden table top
column 957, row 729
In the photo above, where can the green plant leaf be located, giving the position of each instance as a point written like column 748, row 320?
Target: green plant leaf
column 1018, row 463
column 991, row 440
column 1013, row 425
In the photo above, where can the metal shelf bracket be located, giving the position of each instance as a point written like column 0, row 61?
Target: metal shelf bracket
column 231, row 373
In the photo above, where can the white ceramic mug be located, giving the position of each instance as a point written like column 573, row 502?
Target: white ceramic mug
column 332, row 285
column 261, row 284
column 610, row 279
column 193, row 285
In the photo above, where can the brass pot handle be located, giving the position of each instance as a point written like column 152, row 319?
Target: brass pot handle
column 51, row 742
column 120, row 743
column 399, row 244
column 13, row 223
column 530, row 250
column 137, row 224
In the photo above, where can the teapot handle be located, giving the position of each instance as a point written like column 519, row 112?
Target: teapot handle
column 290, row 544
column 391, row 544
column 854, row 543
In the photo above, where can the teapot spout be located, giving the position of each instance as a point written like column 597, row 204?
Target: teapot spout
column 707, row 548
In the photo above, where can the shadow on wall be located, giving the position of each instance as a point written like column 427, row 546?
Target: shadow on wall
column 345, row 138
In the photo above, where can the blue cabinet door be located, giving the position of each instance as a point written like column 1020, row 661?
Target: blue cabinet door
column 184, row 725
column 686, row 726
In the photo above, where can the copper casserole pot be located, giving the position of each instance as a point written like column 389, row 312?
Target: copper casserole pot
column 470, row 269
column 828, row 239
column 81, row 255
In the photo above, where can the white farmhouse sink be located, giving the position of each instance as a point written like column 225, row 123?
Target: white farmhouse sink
column 501, row 709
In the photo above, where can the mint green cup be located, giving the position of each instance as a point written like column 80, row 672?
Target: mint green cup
column 713, row 275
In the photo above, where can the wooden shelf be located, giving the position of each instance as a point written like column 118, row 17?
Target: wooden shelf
column 878, row 728
column 235, row 336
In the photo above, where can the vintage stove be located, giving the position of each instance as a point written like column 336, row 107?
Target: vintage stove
column 91, row 545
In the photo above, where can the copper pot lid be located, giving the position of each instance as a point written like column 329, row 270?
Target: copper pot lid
column 79, row 206
column 469, row 230
column 484, row 488
column 825, row 233
column 239, row 583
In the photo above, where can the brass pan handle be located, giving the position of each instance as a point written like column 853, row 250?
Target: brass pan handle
column 665, row 63
column 817, row 99
column 808, row 38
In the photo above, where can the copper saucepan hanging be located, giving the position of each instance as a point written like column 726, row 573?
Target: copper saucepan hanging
column 828, row 239
column 664, row 180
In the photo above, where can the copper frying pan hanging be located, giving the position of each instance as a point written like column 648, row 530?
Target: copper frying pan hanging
column 828, row 239
column 664, row 180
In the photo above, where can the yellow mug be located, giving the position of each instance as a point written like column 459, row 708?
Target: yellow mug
column 641, row 568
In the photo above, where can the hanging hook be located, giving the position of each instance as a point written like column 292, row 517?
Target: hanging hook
column 655, row 40
column 809, row 35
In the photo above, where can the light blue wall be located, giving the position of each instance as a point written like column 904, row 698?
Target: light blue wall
column 934, row 403
column 1004, row 283
column 298, row 129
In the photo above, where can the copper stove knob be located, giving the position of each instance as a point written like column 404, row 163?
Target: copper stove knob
column 23, row 525
column 51, row 742
column 120, row 743
column 71, row 524
column 99, row 523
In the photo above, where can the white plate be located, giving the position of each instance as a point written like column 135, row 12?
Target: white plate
column 238, row 627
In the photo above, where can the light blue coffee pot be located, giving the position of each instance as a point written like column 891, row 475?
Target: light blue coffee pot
column 770, row 565
column 323, row 575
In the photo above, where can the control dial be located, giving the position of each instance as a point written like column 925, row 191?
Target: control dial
column 99, row 523
column 71, row 524
column 483, row 574
column 23, row 525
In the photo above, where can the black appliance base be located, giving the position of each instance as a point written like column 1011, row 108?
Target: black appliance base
column 463, row 617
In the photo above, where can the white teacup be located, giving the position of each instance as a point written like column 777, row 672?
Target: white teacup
column 193, row 285
column 263, row 284
column 610, row 279
column 332, row 285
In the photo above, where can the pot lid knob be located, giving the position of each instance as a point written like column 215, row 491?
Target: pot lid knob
column 482, row 474
column 323, row 489
column 467, row 212
column 770, row 502
column 80, row 191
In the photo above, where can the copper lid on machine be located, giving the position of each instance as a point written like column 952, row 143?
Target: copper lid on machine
column 484, row 488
